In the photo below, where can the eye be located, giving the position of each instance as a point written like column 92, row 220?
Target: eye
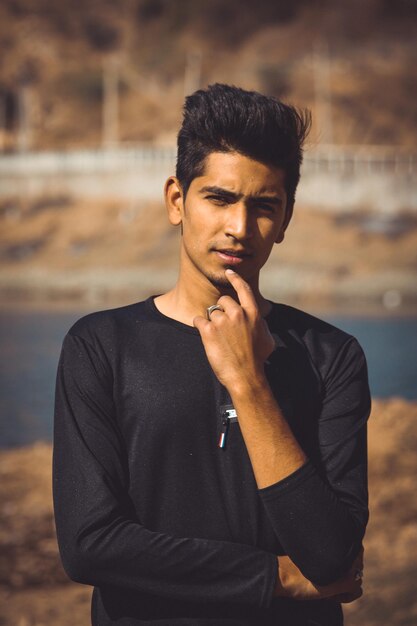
column 217, row 200
column 267, row 208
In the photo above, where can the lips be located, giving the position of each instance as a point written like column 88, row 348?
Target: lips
column 233, row 257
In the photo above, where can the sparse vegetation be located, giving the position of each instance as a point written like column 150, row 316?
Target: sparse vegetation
column 60, row 50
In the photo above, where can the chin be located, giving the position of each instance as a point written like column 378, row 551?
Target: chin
column 220, row 282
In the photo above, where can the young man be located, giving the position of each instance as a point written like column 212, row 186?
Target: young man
column 210, row 446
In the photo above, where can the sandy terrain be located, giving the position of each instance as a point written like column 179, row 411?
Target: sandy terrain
column 61, row 249
column 34, row 590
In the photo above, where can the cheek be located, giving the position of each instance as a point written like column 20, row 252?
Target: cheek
column 269, row 232
column 202, row 226
column 192, row 237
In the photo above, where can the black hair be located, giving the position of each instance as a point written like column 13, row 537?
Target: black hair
column 224, row 118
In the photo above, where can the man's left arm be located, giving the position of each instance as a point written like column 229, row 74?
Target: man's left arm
column 319, row 519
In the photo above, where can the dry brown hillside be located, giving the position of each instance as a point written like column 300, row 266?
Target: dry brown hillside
column 355, row 59
column 58, row 248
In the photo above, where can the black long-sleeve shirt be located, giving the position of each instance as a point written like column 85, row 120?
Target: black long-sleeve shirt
column 169, row 527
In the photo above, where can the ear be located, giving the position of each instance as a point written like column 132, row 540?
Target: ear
column 174, row 201
column 281, row 236
column 288, row 215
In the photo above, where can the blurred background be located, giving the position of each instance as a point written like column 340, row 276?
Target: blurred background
column 91, row 97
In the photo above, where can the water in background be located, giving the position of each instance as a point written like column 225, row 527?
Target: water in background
column 30, row 344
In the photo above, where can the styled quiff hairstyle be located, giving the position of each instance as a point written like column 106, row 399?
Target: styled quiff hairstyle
column 223, row 118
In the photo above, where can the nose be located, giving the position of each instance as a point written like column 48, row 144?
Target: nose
column 238, row 224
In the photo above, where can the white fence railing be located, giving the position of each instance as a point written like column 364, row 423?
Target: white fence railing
column 323, row 158
column 333, row 177
column 346, row 159
column 94, row 161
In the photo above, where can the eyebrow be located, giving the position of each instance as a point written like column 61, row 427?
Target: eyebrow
column 219, row 191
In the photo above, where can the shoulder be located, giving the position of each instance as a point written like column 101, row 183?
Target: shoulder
column 108, row 333
column 110, row 322
column 325, row 343
column 304, row 324
column 103, row 336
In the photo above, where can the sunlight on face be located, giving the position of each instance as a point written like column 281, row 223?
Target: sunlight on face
column 233, row 215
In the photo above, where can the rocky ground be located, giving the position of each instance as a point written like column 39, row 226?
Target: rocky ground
column 34, row 590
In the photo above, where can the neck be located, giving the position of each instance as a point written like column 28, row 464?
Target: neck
column 194, row 293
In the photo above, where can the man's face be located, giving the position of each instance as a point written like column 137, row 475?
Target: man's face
column 232, row 216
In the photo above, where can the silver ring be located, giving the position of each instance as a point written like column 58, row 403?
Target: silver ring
column 358, row 574
column 213, row 307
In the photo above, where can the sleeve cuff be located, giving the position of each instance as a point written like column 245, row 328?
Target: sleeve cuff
column 289, row 483
column 270, row 582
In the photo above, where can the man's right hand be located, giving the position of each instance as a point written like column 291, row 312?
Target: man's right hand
column 292, row 584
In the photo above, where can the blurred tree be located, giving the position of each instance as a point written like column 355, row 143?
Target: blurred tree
column 101, row 34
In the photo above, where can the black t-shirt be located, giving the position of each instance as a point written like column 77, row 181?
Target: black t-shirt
column 169, row 527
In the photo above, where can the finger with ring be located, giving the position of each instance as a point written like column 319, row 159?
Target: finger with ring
column 213, row 307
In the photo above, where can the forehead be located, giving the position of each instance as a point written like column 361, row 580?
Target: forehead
column 235, row 172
